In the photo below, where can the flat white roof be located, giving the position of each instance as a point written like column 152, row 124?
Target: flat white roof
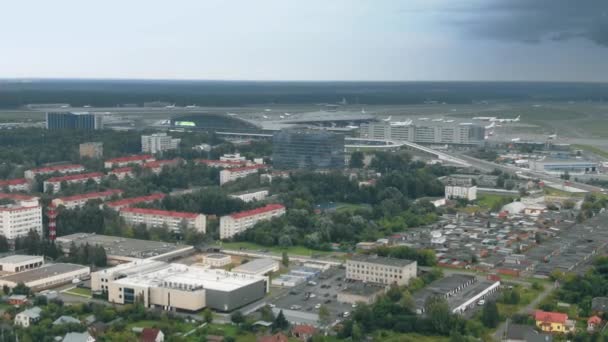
column 19, row 258
column 255, row 265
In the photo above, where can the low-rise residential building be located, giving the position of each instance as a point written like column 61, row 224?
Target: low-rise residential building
column 553, row 321
column 220, row 163
column 258, row 267
column 158, row 142
column 127, row 202
column 151, row 335
column 54, row 184
column 28, row 317
column 17, row 300
column 217, row 260
column 19, row 263
column 23, row 214
column 233, row 174
column 236, row 223
column 78, row 337
column 158, row 165
column 122, row 172
column 251, row 195
column 63, row 169
column 77, row 201
column 174, row 220
column 129, row 160
column 381, row 270
column 47, row 276
column 524, row 333
column 19, row 184
column 594, row 323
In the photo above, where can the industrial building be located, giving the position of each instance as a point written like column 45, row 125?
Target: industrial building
column 47, row 276
column 251, row 195
column 63, row 169
column 258, row 267
column 129, row 160
column 422, row 131
column 73, row 120
column 19, row 263
column 381, row 270
column 217, row 260
column 158, row 142
column 127, row 202
column 560, row 166
column 233, row 224
column 93, row 150
column 307, row 149
column 178, row 287
column 174, row 220
column 120, row 250
column 54, row 184
column 232, row 174
column 19, row 184
column 77, row 201
column 20, row 216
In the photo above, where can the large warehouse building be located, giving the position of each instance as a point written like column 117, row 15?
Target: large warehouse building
column 178, row 287
column 47, row 276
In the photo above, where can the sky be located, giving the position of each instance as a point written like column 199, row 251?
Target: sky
column 391, row 40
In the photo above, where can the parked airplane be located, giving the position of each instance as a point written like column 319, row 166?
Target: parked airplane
column 388, row 119
column 490, row 126
column 552, row 136
column 485, row 118
column 515, row 139
column 508, row 120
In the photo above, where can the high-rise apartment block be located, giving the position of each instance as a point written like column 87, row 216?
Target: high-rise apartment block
column 158, row 142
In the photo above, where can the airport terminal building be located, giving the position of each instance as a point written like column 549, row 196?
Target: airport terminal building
column 425, row 132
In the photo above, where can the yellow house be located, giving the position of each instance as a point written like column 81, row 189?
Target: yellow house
column 552, row 321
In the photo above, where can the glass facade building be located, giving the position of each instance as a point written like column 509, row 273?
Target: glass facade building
column 71, row 120
column 307, row 149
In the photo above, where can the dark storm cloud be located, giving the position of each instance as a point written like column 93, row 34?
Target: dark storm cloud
column 535, row 21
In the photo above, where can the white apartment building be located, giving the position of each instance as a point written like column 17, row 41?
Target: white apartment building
column 157, row 218
column 77, row 201
column 381, row 270
column 249, row 196
column 158, row 142
column 54, row 184
column 233, row 157
column 63, row 169
column 236, row 223
column 19, row 184
column 468, row 192
column 129, row 160
column 230, row 175
column 18, row 218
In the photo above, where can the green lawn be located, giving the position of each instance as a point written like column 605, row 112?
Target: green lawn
column 595, row 150
column 351, row 207
column 229, row 330
column 79, row 291
column 411, row 337
column 488, row 201
column 20, row 116
column 295, row 250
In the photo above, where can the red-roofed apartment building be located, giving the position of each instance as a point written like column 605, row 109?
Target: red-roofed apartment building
column 127, row 202
column 233, row 224
column 124, row 161
column 77, row 201
column 21, row 216
column 230, row 175
column 72, row 168
column 157, row 165
column 158, row 218
column 54, row 183
column 19, row 184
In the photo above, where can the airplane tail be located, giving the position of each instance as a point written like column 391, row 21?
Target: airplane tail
column 517, row 118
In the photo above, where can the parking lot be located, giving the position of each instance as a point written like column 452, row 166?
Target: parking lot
column 321, row 290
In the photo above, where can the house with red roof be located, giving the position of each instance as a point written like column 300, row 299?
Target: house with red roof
column 174, row 220
column 553, row 321
column 63, row 169
column 127, row 202
column 121, row 172
column 278, row 337
column 303, row 332
column 157, row 165
column 54, row 184
column 236, row 223
column 594, row 323
column 77, row 201
column 129, row 160
column 19, row 184
column 151, row 335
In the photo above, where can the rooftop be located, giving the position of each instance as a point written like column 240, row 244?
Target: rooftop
column 122, row 169
column 57, row 168
column 76, row 177
column 18, row 258
column 255, row 265
column 158, row 212
column 130, row 158
column 362, row 289
column 16, row 181
column 551, row 317
column 252, row 212
column 382, row 260
column 42, row 272
column 109, row 192
column 134, row 200
column 246, row 168
column 217, row 256
column 17, row 197
column 119, row 246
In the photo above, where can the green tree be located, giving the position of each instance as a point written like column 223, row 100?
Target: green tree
column 356, row 332
column 438, row 312
column 237, row 317
column 285, row 259
column 21, row 289
column 4, row 246
column 324, row 315
column 356, row 160
column 490, row 316
column 281, row 322
column 208, row 315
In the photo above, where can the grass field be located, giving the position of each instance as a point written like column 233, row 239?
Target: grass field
column 21, row 116
column 596, row 128
column 295, row 250
column 489, row 201
column 595, row 150
column 79, row 291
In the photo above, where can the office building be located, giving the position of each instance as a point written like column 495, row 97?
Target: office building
column 19, row 184
column 307, row 149
column 47, row 276
column 93, row 150
column 78, row 201
column 20, row 216
column 62, row 169
column 174, row 220
column 233, row 224
column 127, row 202
column 425, row 132
column 258, row 267
column 19, row 263
column 54, row 184
column 158, row 142
column 460, row 188
column 129, row 160
column 381, row 270
column 229, row 175
column 73, row 120
column 178, row 287
column 251, row 195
